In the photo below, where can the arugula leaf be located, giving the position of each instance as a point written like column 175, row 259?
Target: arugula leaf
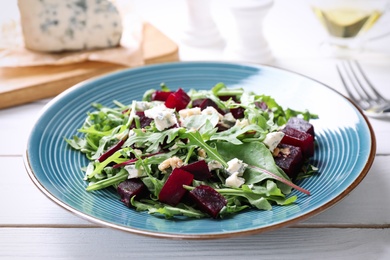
column 259, row 196
column 167, row 211
column 152, row 140
column 235, row 134
column 196, row 139
column 76, row 142
column 99, row 166
column 153, row 184
column 198, row 122
column 118, row 178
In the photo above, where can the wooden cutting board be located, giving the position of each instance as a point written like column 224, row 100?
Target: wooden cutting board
column 27, row 84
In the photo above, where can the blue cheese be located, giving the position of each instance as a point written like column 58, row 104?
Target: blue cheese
column 214, row 165
column 212, row 111
column 236, row 166
column 163, row 117
column 234, row 181
column 134, row 172
column 69, row 25
column 273, row 139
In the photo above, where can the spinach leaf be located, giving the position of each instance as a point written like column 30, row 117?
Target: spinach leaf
column 254, row 154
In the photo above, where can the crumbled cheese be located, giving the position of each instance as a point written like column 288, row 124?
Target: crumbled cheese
column 234, row 181
column 210, row 111
column 142, row 105
column 214, row 165
column 163, row 117
column 242, row 123
column 273, row 139
column 229, row 119
column 236, row 165
column 184, row 113
column 134, row 172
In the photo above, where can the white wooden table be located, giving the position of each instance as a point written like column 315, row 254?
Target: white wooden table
column 32, row 226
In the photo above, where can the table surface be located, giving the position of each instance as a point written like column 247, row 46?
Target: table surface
column 358, row 227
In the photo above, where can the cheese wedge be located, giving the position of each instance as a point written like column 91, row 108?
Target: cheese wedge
column 69, row 25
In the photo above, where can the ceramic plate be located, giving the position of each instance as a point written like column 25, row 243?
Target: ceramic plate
column 344, row 153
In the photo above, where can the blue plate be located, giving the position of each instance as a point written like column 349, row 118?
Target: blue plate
column 344, row 153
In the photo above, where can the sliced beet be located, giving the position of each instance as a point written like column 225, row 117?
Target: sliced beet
column 289, row 159
column 226, row 98
column 238, row 112
column 203, row 103
column 222, row 127
column 301, row 125
column 209, row 103
column 178, row 100
column 208, row 200
column 111, row 150
column 298, row 138
column 199, row 169
column 197, row 102
column 160, row 95
column 173, row 191
column 130, row 188
column 262, row 105
column 144, row 120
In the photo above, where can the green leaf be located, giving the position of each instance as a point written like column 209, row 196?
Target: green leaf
column 152, row 140
column 170, row 212
column 153, row 184
column 199, row 121
column 167, row 211
column 254, row 153
column 99, row 166
column 114, row 180
column 77, row 143
column 236, row 134
column 259, row 196
column 196, row 139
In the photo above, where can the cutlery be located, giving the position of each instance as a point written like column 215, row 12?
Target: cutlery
column 361, row 91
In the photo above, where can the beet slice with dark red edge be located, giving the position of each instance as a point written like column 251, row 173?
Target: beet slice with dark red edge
column 238, row 112
column 203, row 103
column 209, row 103
column 172, row 191
column 298, row 138
column 160, row 95
column 112, row 150
column 301, row 125
column 143, row 120
column 289, row 159
column 199, row 169
column 227, row 97
column 130, row 188
column 197, row 102
column 262, row 105
column 208, row 200
column 178, row 100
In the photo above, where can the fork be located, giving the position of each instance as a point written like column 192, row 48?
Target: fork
column 361, row 91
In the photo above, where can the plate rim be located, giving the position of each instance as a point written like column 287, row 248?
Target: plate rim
column 363, row 173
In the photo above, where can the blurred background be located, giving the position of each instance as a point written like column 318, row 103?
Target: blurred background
column 290, row 27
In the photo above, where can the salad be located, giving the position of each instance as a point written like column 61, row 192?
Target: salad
column 201, row 153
